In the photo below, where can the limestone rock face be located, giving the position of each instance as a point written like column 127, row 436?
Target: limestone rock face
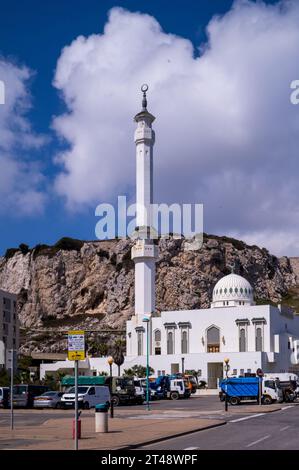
column 93, row 286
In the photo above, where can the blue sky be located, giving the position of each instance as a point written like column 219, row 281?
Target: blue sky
column 33, row 35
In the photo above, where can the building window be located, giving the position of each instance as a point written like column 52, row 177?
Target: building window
column 6, row 303
column 184, row 342
column 235, row 371
column 140, row 343
column 258, row 338
column 242, row 340
column 213, row 339
column 6, row 316
column 157, row 342
column 157, row 335
column 242, row 372
column 170, row 342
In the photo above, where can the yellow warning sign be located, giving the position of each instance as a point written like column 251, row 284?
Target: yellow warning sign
column 76, row 345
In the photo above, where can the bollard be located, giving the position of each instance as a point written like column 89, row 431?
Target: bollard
column 101, row 418
column 79, row 428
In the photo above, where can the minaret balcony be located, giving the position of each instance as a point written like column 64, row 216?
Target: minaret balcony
column 143, row 134
column 144, row 249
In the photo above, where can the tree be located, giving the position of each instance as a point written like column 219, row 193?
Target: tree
column 97, row 349
column 138, row 371
column 118, row 353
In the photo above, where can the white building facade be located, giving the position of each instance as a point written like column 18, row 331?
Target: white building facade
column 250, row 336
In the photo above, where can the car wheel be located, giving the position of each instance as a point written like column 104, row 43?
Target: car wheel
column 174, row 396
column 267, row 400
column 58, row 406
column 115, row 400
column 234, row 401
column 86, row 405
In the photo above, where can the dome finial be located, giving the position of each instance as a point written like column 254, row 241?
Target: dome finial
column 232, row 267
column 144, row 89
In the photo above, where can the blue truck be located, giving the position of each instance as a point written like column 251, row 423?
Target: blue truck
column 170, row 386
column 247, row 389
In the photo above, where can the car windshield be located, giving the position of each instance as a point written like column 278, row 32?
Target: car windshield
column 48, row 394
column 80, row 390
column 128, row 382
column 20, row 389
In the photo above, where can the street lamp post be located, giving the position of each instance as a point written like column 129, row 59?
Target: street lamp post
column 226, row 362
column 110, row 362
column 147, row 320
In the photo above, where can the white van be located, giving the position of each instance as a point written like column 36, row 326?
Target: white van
column 88, row 396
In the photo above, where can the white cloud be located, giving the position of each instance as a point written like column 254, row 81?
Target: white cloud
column 226, row 132
column 20, row 176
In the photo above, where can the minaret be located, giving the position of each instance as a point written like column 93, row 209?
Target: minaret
column 144, row 252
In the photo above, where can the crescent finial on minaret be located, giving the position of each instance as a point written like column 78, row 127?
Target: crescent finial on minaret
column 144, row 89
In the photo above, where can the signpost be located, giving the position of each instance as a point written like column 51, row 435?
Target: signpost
column 260, row 375
column 76, row 352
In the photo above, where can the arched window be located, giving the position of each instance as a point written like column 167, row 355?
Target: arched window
column 140, row 343
column 158, row 335
column 213, row 339
column 258, row 339
column 184, row 342
column 170, row 342
column 157, row 342
column 242, row 340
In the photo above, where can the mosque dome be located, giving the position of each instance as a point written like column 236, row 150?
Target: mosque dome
column 232, row 291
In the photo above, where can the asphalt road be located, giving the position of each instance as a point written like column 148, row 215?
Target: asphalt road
column 25, row 417
column 269, row 431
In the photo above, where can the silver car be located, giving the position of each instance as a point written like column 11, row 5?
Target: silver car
column 48, row 400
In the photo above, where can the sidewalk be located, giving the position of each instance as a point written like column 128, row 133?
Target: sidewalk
column 56, row 434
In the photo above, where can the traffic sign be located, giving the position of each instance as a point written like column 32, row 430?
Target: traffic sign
column 259, row 372
column 76, row 345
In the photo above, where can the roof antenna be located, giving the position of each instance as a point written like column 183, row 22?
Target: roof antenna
column 144, row 89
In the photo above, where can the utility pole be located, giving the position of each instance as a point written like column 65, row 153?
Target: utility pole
column 11, row 388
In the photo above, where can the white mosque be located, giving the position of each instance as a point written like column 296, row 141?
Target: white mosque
column 250, row 336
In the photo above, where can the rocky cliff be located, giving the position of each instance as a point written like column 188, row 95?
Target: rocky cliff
column 91, row 284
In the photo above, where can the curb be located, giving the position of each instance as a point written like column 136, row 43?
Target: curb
column 166, row 438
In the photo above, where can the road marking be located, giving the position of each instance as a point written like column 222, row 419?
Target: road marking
column 246, row 417
column 287, row 407
column 258, row 441
column 283, row 429
column 191, row 448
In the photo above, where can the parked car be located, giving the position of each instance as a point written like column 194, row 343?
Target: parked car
column 139, row 391
column 24, row 394
column 88, row 396
column 49, row 399
column 4, row 397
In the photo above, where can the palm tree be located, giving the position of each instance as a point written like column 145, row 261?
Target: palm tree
column 118, row 353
